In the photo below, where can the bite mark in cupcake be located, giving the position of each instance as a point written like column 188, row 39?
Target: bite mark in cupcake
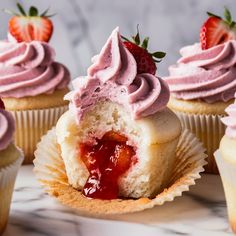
column 112, row 138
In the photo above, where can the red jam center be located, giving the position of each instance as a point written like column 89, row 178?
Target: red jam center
column 106, row 162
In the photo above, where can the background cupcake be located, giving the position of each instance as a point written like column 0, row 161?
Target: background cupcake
column 226, row 161
column 32, row 83
column 203, row 84
column 10, row 161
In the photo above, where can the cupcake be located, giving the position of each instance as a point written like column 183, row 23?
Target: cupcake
column 10, row 161
column 32, row 83
column 118, row 149
column 202, row 83
column 226, row 161
column 118, row 139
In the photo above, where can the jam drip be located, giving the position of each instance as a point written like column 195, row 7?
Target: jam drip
column 106, row 162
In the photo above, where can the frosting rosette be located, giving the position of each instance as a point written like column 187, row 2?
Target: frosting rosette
column 208, row 75
column 29, row 69
column 7, row 129
column 230, row 120
column 113, row 76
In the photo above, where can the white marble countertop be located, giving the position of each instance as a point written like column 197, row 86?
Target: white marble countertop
column 202, row 211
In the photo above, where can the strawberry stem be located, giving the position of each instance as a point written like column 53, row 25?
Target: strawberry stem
column 212, row 14
column 45, row 12
column 158, row 54
column 21, row 9
column 124, row 38
column 145, row 43
column 136, row 39
column 33, row 12
column 227, row 17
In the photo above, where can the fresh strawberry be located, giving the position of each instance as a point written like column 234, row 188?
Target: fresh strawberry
column 32, row 26
column 216, row 30
column 145, row 60
column 1, row 104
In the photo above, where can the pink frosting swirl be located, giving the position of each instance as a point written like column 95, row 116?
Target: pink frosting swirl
column 29, row 69
column 208, row 75
column 113, row 76
column 230, row 120
column 7, row 129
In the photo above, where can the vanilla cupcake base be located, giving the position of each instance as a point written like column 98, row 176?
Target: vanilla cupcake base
column 31, row 125
column 51, row 173
column 204, row 120
column 7, row 181
column 227, row 171
column 209, row 129
column 153, row 140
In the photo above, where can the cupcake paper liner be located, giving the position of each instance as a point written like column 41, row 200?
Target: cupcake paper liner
column 209, row 129
column 50, row 172
column 7, row 181
column 228, row 175
column 31, row 125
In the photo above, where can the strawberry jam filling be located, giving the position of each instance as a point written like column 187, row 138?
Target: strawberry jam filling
column 106, row 162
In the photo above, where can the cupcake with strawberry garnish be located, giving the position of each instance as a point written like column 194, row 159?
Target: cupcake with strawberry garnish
column 202, row 83
column 118, row 148
column 10, row 161
column 32, row 83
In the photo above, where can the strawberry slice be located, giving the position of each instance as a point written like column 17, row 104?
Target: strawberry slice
column 216, row 30
column 145, row 60
column 29, row 27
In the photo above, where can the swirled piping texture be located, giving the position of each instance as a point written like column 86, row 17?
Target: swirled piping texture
column 208, row 75
column 113, row 76
column 29, row 69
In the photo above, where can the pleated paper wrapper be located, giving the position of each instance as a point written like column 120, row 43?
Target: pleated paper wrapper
column 31, row 125
column 228, row 176
column 209, row 129
column 7, row 181
column 51, row 173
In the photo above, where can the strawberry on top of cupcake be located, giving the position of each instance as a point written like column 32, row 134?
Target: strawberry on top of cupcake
column 27, row 61
column 118, row 138
column 202, row 82
column 32, row 83
column 126, row 76
column 207, row 70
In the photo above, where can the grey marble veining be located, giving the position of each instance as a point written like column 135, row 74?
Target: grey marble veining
column 82, row 26
column 201, row 211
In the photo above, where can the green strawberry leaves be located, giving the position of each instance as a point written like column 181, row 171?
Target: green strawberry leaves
column 157, row 56
column 227, row 17
column 33, row 12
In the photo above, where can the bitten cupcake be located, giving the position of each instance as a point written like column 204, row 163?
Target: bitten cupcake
column 32, row 83
column 10, row 161
column 118, row 149
column 226, row 162
column 202, row 83
column 118, row 138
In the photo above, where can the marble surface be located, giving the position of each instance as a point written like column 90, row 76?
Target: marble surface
column 81, row 27
column 202, row 211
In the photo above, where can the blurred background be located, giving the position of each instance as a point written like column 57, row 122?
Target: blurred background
column 81, row 27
